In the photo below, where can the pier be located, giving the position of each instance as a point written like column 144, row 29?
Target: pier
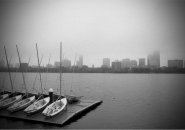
column 73, row 110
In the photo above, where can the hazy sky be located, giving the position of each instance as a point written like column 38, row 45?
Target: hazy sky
column 116, row 29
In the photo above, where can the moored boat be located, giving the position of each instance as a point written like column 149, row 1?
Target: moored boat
column 21, row 104
column 55, row 108
column 4, row 96
column 37, row 106
column 8, row 102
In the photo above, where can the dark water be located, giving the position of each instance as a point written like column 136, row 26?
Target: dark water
column 129, row 100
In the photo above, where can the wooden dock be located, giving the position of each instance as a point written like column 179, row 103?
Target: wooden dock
column 73, row 110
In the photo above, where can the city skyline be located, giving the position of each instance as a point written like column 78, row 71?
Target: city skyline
column 117, row 29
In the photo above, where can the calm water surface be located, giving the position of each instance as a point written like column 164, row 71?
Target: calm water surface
column 129, row 100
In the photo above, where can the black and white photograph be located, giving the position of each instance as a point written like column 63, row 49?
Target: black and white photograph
column 92, row 64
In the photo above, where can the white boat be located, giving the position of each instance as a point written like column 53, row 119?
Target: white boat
column 4, row 96
column 37, row 106
column 8, row 102
column 55, row 108
column 59, row 105
column 21, row 104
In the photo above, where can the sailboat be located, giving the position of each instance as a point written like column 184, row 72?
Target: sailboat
column 41, row 102
column 60, row 104
column 9, row 101
column 25, row 102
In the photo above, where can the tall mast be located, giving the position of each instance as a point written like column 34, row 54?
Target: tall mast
column 21, row 71
column 39, row 68
column 60, row 65
column 8, row 69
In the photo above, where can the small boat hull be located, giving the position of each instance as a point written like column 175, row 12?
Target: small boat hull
column 4, row 96
column 55, row 108
column 37, row 106
column 8, row 102
column 21, row 104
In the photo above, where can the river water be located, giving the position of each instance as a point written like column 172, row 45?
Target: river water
column 129, row 100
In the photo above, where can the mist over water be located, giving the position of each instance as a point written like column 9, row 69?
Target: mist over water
column 129, row 100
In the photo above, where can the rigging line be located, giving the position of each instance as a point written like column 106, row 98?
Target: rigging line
column 22, row 71
column 39, row 68
column 60, row 64
column 8, row 69
column 36, row 75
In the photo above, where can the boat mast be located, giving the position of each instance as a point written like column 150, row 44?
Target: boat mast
column 60, row 65
column 39, row 67
column 8, row 69
column 21, row 71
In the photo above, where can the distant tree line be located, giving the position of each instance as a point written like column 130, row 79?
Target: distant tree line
column 86, row 69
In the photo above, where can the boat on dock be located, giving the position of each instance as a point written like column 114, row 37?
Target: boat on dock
column 73, row 112
column 25, row 102
column 42, row 101
column 21, row 104
column 8, row 102
column 37, row 106
column 15, row 97
column 61, row 103
column 55, row 108
column 4, row 96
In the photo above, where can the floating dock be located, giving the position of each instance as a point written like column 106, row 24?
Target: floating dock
column 73, row 111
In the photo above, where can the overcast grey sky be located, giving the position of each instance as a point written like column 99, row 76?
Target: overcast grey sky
column 96, row 29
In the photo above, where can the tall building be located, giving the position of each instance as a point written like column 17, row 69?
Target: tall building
column 142, row 62
column 116, row 65
column 175, row 63
column 133, row 63
column 80, row 62
column 154, row 60
column 66, row 63
column 106, row 63
column 125, row 63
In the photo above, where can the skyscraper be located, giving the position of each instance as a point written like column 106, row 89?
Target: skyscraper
column 106, row 63
column 142, row 62
column 80, row 61
column 154, row 60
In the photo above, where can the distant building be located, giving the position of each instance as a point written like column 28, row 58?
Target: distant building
column 154, row 60
column 142, row 62
column 116, row 65
column 133, row 63
column 80, row 62
column 49, row 66
column 57, row 64
column 65, row 63
column 106, row 63
column 125, row 63
column 23, row 66
column 175, row 63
